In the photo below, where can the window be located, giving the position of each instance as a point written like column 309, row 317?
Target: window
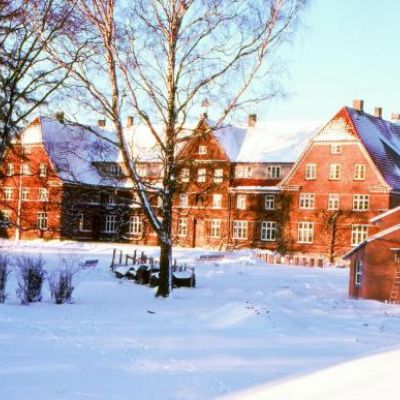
column 184, row 200
column 182, row 227
column 239, row 172
column 25, row 169
column 135, row 225
column 110, row 225
column 42, row 220
column 311, row 171
column 305, row 233
column 42, row 170
column 358, row 272
column 218, row 175
column 397, row 256
column 274, row 172
column 240, row 230
column 142, row 171
column 114, row 170
column 359, row 172
column 247, row 172
column 43, row 194
column 5, row 217
column 334, row 172
column 201, row 175
column 8, row 193
column 111, row 200
column 135, row 201
column 10, row 169
column 333, row 201
column 269, row 202
column 307, row 201
column 185, row 175
column 359, row 233
column 215, row 229
column 268, row 231
column 25, row 194
column 336, row 148
column 217, row 201
column 202, row 149
column 84, row 224
column 241, row 202
column 360, row 202
column 95, row 199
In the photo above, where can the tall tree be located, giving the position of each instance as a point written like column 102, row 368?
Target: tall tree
column 163, row 59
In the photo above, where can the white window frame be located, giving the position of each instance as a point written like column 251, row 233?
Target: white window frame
column 359, row 233
column 25, row 194
column 10, row 169
column 183, row 200
column 185, row 175
column 182, row 227
column 241, row 202
column 43, row 194
column 269, row 202
column 218, row 175
column 359, row 172
column 25, row 169
column 215, row 229
column 305, row 232
column 311, row 172
column 360, row 202
column 142, row 170
column 111, row 199
column 42, row 170
column 110, row 224
column 42, row 221
column 240, row 229
column 334, row 172
column 358, row 272
column 201, row 175
column 336, row 148
column 333, row 201
column 274, row 172
column 8, row 193
column 135, row 226
column 81, row 223
column 202, row 149
column 268, row 231
column 217, row 201
column 307, row 201
column 247, row 171
column 6, row 214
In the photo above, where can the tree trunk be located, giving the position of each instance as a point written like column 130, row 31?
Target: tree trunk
column 165, row 282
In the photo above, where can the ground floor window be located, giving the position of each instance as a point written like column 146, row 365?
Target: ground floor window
column 305, row 232
column 359, row 233
column 240, row 229
column 268, row 231
column 215, row 229
column 110, row 225
column 5, row 218
column 84, row 223
column 358, row 272
column 182, row 227
column 135, row 225
column 42, row 220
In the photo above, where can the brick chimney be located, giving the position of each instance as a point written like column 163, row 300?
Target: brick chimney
column 252, row 121
column 101, row 123
column 129, row 121
column 59, row 115
column 378, row 112
column 395, row 118
column 358, row 105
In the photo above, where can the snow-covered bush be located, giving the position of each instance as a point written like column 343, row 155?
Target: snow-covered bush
column 31, row 276
column 60, row 281
column 4, row 272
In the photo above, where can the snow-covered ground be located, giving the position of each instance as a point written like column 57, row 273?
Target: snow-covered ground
column 274, row 332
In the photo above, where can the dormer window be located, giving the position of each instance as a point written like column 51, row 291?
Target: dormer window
column 25, row 169
column 202, row 149
column 142, row 171
column 274, row 172
column 42, row 170
column 10, row 169
column 336, row 148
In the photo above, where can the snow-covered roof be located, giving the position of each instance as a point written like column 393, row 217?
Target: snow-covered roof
column 278, row 141
column 384, row 214
column 254, row 189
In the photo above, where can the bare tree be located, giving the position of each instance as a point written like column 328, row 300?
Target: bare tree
column 163, row 59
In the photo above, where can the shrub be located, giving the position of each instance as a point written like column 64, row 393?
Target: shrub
column 30, row 279
column 4, row 272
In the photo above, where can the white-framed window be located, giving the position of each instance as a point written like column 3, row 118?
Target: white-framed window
column 8, row 193
column 359, row 233
column 359, row 172
column 110, row 224
column 202, row 149
column 334, row 172
column 311, row 171
column 241, row 202
column 307, row 201
column 305, row 232
column 360, row 202
column 135, row 226
column 136, row 201
column 182, row 227
column 114, row 169
column 218, row 175
column 358, row 271
column 269, row 203
column 42, row 220
column 5, row 217
column 336, row 148
column 239, row 172
column 274, row 172
column 24, row 194
column 42, row 170
column 240, row 229
column 111, row 199
column 10, row 169
column 333, row 201
column 43, row 194
column 215, row 229
column 247, row 171
column 268, row 231
column 142, row 170
column 201, row 175
column 185, row 175
column 217, row 201
column 84, row 224
column 183, row 200
column 25, row 169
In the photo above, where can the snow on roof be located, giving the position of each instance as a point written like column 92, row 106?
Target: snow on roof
column 255, row 189
column 385, row 214
column 278, row 141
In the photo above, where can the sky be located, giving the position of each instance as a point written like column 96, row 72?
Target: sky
column 344, row 50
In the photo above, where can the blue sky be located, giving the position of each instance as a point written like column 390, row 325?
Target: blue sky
column 345, row 49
